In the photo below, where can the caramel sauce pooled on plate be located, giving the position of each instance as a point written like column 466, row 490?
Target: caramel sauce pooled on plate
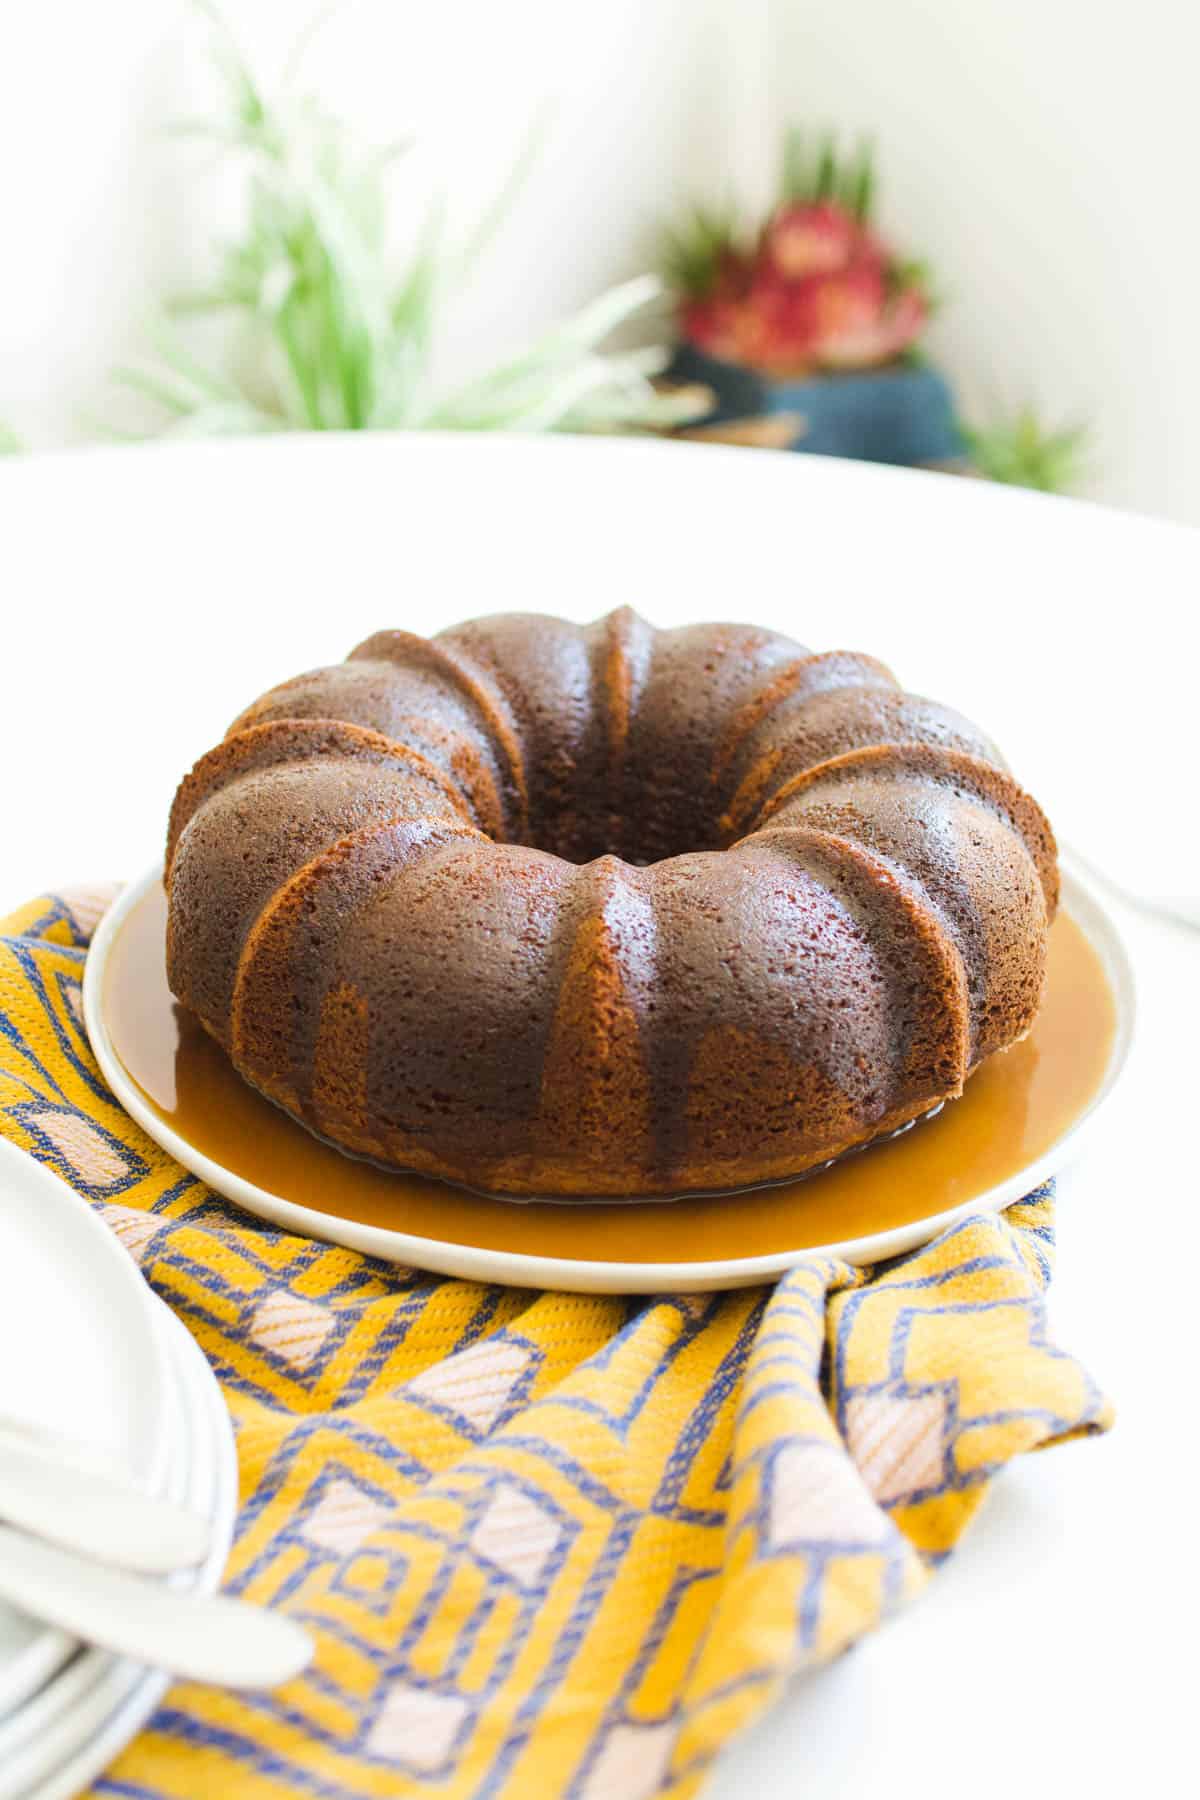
column 1014, row 1108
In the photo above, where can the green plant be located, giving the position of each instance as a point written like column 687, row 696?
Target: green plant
column 817, row 174
column 1017, row 448
column 693, row 253
column 10, row 443
column 331, row 339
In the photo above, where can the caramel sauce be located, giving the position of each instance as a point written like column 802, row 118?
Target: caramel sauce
column 1014, row 1108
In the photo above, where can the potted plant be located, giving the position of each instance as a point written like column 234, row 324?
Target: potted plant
column 812, row 319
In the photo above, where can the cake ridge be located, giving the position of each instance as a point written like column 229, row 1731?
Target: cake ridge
column 471, row 682
column 596, row 1086
column 249, row 751
column 783, row 686
column 621, row 679
column 905, row 894
column 270, row 951
column 882, row 718
column 988, row 782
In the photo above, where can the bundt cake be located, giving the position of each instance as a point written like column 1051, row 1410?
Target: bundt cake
column 601, row 910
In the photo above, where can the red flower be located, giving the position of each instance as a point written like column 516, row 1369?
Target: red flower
column 712, row 325
column 815, row 239
column 819, row 292
column 859, row 325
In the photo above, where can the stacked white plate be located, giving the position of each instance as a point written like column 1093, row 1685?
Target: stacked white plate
column 89, row 1354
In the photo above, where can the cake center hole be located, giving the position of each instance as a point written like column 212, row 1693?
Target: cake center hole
column 655, row 823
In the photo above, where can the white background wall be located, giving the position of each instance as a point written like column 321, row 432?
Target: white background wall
column 1042, row 153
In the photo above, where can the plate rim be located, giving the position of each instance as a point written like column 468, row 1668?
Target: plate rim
column 52, row 1649
column 131, row 1690
column 94, row 1676
column 1081, row 898
column 121, row 1267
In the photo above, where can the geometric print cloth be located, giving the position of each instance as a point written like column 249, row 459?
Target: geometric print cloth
column 547, row 1544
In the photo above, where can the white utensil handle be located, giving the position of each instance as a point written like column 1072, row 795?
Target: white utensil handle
column 95, row 1514
column 201, row 1637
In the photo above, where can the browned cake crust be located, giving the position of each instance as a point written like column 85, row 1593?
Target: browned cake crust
column 604, row 910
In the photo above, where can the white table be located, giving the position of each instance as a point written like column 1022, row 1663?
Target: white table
column 146, row 595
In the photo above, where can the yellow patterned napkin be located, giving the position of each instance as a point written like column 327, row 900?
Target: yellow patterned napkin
column 548, row 1544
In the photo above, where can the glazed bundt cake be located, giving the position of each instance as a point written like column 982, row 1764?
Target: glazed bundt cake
column 591, row 911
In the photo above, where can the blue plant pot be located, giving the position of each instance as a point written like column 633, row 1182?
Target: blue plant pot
column 902, row 414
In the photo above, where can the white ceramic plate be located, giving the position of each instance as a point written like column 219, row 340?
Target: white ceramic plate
column 81, row 1354
column 520, row 1269
column 98, row 1716
column 82, row 1690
